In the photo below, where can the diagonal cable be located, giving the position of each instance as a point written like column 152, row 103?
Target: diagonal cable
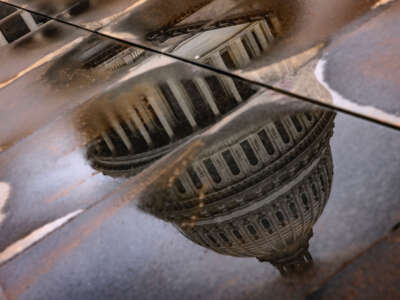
column 210, row 68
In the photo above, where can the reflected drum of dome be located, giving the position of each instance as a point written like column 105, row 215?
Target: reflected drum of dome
column 159, row 112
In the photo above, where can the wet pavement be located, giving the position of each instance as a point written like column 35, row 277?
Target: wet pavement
column 217, row 150
column 356, row 280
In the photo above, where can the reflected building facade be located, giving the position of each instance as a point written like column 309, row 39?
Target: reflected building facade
column 16, row 23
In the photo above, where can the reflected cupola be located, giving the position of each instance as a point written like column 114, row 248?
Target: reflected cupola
column 231, row 43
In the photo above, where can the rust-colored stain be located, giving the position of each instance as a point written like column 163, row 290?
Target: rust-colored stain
column 40, row 62
column 65, row 191
column 374, row 274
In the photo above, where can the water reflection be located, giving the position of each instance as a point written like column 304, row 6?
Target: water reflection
column 230, row 44
column 186, row 29
column 160, row 104
column 162, row 115
column 257, row 190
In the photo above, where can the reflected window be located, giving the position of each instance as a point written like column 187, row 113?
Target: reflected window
column 225, row 238
column 80, row 7
column 40, row 19
column 315, row 192
column 254, row 34
column 184, row 127
column 266, row 225
column 14, row 28
column 282, row 132
column 6, row 10
column 305, row 201
column 248, row 48
column 266, row 142
column 245, row 89
column 195, row 178
column 296, row 123
column 281, row 218
column 248, row 151
column 225, row 102
column 203, row 113
column 213, row 240
column 230, row 161
column 139, row 144
column 105, row 54
column 179, row 186
column 212, row 170
column 118, row 143
column 252, row 231
column 309, row 117
column 228, row 60
column 160, row 135
column 321, row 178
column 237, row 234
column 293, row 210
column 202, row 241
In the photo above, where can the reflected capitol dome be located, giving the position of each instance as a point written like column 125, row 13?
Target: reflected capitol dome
column 257, row 191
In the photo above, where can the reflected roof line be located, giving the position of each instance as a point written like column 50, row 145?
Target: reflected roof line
column 213, row 69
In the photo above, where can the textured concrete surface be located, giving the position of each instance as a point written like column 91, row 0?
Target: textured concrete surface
column 366, row 55
column 113, row 250
column 134, row 255
column 374, row 275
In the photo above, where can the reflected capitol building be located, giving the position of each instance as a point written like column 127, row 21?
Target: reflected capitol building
column 161, row 141
column 256, row 192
